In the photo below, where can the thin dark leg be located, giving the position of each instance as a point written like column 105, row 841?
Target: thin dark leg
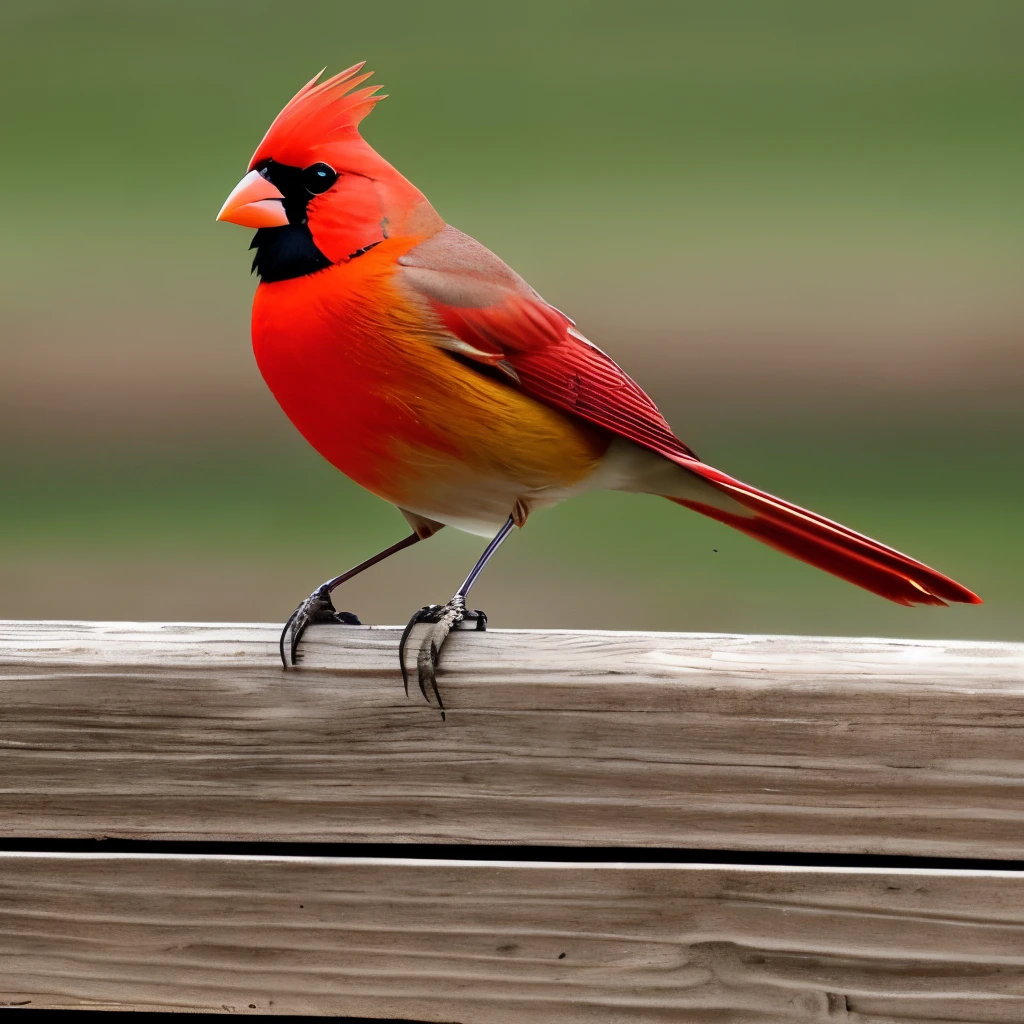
column 463, row 591
column 319, row 607
column 445, row 618
column 405, row 542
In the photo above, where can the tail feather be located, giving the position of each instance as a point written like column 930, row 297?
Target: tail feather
column 821, row 542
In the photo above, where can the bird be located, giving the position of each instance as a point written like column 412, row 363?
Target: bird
column 420, row 365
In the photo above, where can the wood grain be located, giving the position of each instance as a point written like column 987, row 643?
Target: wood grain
column 511, row 943
column 681, row 740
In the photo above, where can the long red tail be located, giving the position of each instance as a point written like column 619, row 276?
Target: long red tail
column 820, row 542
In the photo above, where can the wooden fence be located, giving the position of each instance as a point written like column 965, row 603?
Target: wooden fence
column 622, row 755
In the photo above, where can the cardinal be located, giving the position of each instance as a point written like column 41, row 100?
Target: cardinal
column 429, row 372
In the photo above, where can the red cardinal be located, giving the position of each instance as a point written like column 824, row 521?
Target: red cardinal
column 420, row 365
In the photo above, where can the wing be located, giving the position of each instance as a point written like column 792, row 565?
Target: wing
column 488, row 314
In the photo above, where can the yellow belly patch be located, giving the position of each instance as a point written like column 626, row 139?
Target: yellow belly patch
column 482, row 443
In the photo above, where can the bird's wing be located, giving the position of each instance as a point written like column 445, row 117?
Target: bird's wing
column 488, row 314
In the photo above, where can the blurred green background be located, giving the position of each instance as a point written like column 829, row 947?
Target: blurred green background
column 798, row 224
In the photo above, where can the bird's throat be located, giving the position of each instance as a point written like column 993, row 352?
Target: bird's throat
column 286, row 252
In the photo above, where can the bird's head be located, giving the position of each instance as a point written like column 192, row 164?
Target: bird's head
column 316, row 192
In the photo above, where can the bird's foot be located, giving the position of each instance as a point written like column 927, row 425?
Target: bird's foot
column 443, row 619
column 317, row 608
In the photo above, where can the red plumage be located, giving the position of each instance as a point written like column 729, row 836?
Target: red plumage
column 357, row 337
column 554, row 363
column 319, row 113
column 827, row 545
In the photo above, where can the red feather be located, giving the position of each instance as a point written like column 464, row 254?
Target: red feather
column 318, row 113
column 502, row 322
column 827, row 545
column 555, row 363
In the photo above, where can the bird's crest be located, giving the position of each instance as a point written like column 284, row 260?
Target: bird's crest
column 322, row 111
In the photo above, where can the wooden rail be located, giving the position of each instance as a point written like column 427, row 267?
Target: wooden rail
column 181, row 731
column 512, row 943
column 778, row 745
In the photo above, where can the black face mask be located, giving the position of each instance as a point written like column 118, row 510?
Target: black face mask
column 289, row 251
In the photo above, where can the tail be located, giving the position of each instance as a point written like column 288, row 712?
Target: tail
column 814, row 539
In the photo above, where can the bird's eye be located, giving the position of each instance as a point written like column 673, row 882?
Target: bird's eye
column 319, row 178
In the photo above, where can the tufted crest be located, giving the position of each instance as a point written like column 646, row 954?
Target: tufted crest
column 320, row 112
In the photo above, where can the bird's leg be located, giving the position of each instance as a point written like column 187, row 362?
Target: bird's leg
column 444, row 618
column 319, row 607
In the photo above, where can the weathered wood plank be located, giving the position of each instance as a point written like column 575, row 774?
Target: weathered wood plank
column 685, row 740
column 511, row 943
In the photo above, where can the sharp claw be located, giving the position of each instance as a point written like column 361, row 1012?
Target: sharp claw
column 445, row 619
column 423, row 615
column 297, row 630
column 284, row 633
column 318, row 607
column 425, row 666
column 426, row 661
column 401, row 649
column 433, row 677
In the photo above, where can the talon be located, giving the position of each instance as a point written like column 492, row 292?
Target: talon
column 284, row 633
column 425, row 662
column 433, row 678
column 317, row 608
column 297, row 630
column 423, row 615
column 430, row 652
column 426, row 665
column 445, row 618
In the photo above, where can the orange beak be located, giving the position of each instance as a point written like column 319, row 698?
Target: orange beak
column 254, row 203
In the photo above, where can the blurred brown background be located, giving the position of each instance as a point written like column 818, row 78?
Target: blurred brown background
column 798, row 225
